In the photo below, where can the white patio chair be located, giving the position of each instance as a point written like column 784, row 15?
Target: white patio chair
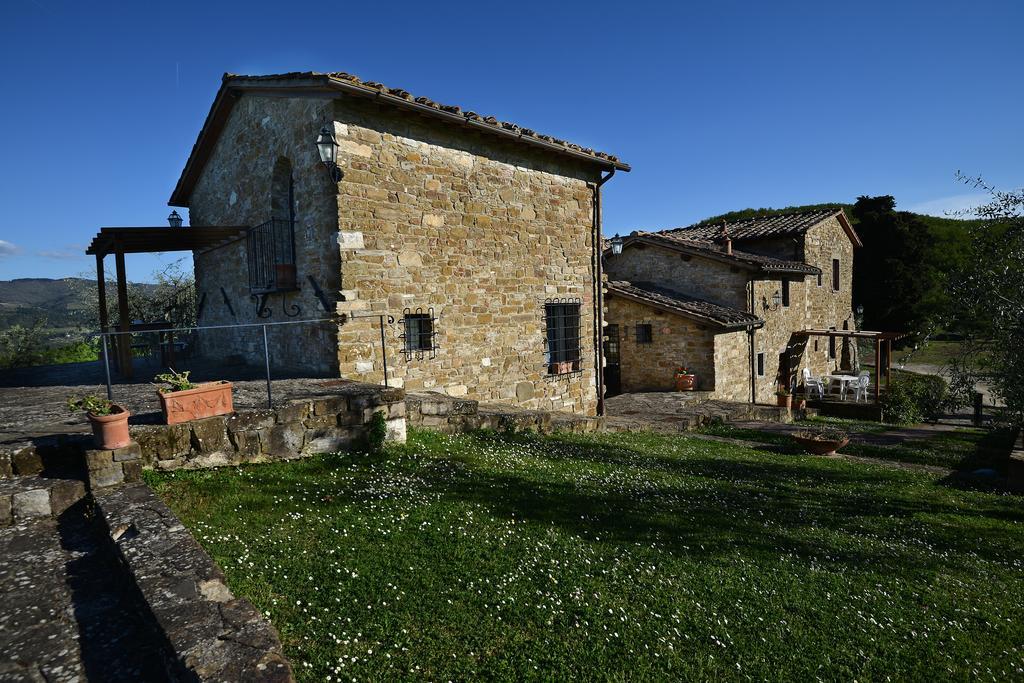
column 815, row 383
column 863, row 383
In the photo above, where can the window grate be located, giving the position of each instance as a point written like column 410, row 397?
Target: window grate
column 419, row 334
column 563, row 352
column 611, row 345
column 270, row 248
column 644, row 333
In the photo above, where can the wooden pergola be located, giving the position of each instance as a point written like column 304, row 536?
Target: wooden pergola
column 145, row 240
column 881, row 339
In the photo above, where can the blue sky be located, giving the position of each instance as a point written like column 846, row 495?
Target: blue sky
column 717, row 105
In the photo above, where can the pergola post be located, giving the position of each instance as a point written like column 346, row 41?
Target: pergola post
column 101, row 291
column 878, row 367
column 124, row 341
column 888, row 363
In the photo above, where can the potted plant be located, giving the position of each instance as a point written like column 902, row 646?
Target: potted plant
column 109, row 421
column 824, row 441
column 785, row 399
column 182, row 400
column 685, row 380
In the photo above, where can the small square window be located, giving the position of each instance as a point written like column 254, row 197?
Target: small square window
column 418, row 332
column 644, row 333
column 760, row 365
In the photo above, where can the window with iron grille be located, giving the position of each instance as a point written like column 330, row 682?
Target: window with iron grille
column 835, row 275
column 270, row 248
column 418, row 334
column 563, row 353
column 644, row 333
column 611, row 347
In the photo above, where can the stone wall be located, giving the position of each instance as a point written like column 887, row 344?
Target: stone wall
column 675, row 341
column 811, row 306
column 479, row 230
column 299, row 428
column 235, row 188
column 698, row 277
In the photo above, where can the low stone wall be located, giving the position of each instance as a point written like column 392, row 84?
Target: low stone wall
column 298, row 428
column 443, row 413
column 211, row 634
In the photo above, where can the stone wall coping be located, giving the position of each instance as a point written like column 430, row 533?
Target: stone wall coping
column 214, row 635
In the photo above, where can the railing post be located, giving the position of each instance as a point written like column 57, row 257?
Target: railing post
column 266, row 358
column 106, row 368
column 383, row 350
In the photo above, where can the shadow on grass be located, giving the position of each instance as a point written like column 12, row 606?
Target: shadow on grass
column 714, row 500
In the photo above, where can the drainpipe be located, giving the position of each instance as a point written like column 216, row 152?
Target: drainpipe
column 599, row 291
column 750, row 335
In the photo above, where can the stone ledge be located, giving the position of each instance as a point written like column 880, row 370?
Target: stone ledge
column 24, row 498
column 214, row 635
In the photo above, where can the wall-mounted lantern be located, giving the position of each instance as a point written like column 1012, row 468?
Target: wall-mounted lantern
column 776, row 302
column 616, row 245
column 327, row 147
column 174, row 220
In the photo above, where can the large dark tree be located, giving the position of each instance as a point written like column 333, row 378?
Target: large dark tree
column 895, row 277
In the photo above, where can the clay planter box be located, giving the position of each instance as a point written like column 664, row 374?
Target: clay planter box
column 206, row 400
column 819, row 447
column 685, row 382
column 110, row 431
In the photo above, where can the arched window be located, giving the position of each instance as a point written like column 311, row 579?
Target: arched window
column 282, row 191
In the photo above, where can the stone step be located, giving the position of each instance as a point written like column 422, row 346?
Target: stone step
column 33, row 497
column 59, row 455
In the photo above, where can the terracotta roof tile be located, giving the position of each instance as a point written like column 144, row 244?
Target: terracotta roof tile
column 714, row 249
column 684, row 305
column 761, row 227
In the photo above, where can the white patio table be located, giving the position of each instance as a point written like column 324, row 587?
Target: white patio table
column 844, row 381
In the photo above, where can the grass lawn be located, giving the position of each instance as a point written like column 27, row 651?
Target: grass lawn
column 614, row 557
column 965, row 449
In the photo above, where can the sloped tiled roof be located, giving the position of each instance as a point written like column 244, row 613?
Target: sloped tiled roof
column 762, row 227
column 684, row 305
column 339, row 81
column 716, row 250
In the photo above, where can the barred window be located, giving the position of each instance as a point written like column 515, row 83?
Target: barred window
column 611, row 347
column 562, row 339
column 835, row 275
column 644, row 333
column 418, row 333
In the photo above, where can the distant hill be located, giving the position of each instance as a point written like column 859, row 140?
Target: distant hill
column 66, row 304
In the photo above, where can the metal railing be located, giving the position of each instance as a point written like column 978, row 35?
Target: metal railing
column 383, row 320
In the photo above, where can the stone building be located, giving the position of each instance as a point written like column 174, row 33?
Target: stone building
column 729, row 301
column 469, row 243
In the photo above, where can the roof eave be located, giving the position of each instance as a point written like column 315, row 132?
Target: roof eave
column 233, row 86
column 758, row 323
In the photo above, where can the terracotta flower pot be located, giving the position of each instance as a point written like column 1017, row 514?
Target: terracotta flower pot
column 206, row 400
column 785, row 401
column 110, row 431
column 686, row 382
column 818, row 447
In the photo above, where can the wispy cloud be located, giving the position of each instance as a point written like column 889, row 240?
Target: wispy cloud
column 8, row 249
column 60, row 254
column 957, row 205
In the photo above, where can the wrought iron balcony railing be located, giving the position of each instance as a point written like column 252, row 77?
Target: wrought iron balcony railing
column 271, row 251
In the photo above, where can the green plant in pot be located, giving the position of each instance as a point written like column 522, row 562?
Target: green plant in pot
column 822, row 441
column 109, row 420
column 182, row 400
column 784, row 398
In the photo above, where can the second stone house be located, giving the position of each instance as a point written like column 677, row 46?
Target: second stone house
column 729, row 301
column 459, row 253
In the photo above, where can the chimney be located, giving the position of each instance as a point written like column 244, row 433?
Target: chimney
column 726, row 240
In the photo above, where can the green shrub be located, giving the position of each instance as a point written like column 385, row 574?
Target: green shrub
column 913, row 398
column 376, row 432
